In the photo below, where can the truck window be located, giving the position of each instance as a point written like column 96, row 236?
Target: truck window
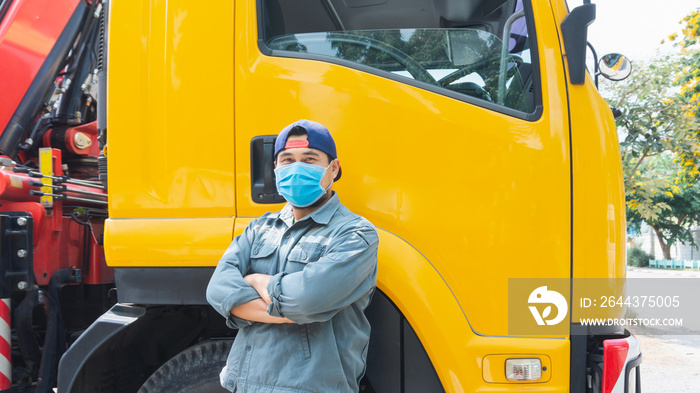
column 451, row 47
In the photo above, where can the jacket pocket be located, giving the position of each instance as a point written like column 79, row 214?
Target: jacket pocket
column 302, row 254
column 261, row 256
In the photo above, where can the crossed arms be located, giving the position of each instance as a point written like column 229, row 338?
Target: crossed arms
column 256, row 310
column 346, row 272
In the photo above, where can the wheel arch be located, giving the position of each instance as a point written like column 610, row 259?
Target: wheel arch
column 123, row 347
column 420, row 294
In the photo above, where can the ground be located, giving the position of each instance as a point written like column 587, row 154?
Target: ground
column 669, row 363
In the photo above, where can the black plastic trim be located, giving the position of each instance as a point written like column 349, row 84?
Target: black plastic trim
column 535, row 59
column 262, row 170
column 36, row 94
column 579, row 341
column 533, row 116
column 419, row 375
column 163, row 285
column 97, row 335
column 574, row 28
column 635, row 363
column 397, row 361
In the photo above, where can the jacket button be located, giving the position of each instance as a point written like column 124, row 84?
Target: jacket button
column 303, row 256
column 248, row 347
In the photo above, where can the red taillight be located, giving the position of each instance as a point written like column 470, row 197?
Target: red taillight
column 614, row 356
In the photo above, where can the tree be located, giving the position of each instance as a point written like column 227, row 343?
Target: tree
column 660, row 140
column 659, row 149
column 689, row 78
column 677, row 202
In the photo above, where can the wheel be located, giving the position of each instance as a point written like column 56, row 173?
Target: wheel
column 194, row 370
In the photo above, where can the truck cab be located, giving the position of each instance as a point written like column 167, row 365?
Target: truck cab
column 470, row 133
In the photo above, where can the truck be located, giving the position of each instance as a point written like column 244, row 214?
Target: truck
column 138, row 141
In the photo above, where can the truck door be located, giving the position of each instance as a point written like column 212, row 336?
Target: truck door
column 450, row 140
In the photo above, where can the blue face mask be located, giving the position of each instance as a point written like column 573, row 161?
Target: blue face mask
column 300, row 183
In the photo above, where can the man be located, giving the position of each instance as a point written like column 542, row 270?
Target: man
column 297, row 281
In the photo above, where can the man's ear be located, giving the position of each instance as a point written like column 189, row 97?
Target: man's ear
column 335, row 167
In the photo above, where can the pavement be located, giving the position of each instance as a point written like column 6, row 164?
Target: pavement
column 670, row 363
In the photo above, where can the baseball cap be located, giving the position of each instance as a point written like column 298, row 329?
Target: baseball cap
column 318, row 137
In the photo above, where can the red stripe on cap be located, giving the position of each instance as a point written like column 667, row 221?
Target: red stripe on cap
column 296, row 144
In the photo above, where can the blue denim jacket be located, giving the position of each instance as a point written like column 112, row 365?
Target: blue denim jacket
column 324, row 270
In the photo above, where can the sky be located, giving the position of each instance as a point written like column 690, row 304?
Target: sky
column 635, row 28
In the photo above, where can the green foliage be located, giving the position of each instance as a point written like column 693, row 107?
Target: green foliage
column 638, row 257
column 658, row 144
column 660, row 140
column 676, row 213
column 689, row 77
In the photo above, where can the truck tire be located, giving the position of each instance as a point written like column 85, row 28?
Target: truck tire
column 194, row 370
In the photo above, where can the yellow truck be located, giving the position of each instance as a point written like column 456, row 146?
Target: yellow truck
column 470, row 133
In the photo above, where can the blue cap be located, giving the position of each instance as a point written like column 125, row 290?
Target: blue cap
column 318, row 138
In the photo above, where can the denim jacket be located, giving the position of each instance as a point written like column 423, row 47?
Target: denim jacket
column 324, row 270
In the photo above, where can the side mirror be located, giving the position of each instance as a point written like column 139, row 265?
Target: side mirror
column 615, row 66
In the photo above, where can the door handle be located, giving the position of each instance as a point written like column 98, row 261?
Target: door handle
column 262, row 170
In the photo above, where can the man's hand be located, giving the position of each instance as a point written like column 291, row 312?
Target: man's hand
column 259, row 283
column 256, row 311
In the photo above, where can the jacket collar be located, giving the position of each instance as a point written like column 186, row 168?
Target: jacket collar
column 322, row 215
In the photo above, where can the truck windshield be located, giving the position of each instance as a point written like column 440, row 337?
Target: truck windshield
column 469, row 60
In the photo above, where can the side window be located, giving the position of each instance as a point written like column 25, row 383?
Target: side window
column 476, row 49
